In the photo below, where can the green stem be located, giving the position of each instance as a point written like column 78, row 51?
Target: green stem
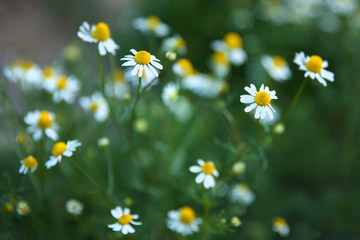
column 92, row 181
column 258, row 139
column 295, row 99
column 233, row 125
column 133, row 113
column 206, row 206
column 110, row 172
column 101, row 68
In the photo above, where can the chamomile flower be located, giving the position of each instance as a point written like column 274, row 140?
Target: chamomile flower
column 260, row 100
column 235, row 222
column 314, row 67
column 48, row 76
column 143, row 63
column 183, row 221
column 97, row 105
column 22, row 208
column 239, row 167
column 74, row 207
column 241, row 193
column 61, row 149
column 41, row 121
column 207, row 173
column 124, row 219
column 280, row 226
column 342, row 7
column 28, row 164
column 232, row 45
column 174, row 44
column 151, row 24
column 64, row 88
column 220, row 64
column 117, row 88
column 27, row 73
column 183, row 68
column 203, row 85
column 170, row 93
column 276, row 67
column 99, row 33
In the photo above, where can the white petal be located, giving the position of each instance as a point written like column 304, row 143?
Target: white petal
column 129, row 63
column 321, row 80
column 327, row 75
column 250, row 91
column 135, row 70
column 51, row 133
column 200, row 178
column 126, row 211
column 157, row 65
column 115, row 226
column 141, row 69
column 247, row 99
column 263, row 112
column 200, row 162
column 251, row 107
column 268, row 110
column 133, row 51
column 209, row 181
column 257, row 112
column 117, row 212
column 101, row 48
column 136, row 223
column 195, row 169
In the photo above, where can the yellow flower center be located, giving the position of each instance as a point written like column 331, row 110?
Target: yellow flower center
column 44, row 120
column 119, row 76
column 27, row 65
column 173, row 95
column 9, row 207
column 187, row 215
column 94, row 107
column 153, row 21
column 208, row 168
column 220, row 57
column 279, row 61
column 48, row 72
column 186, row 66
column 314, row 64
column 279, row 222
column 142, row 57
column 125, row 219
column 180, row 42
column 101, row 32
column 74, row 207
column 30, row 162
column 62, row 82
column 24, row 208
column 233, row 40
column 58, row 149
column 262, row 98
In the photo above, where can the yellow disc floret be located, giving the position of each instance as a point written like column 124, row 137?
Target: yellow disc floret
column 279, row 222
column 187, row 215
column 27, row 64
column 314, row 64
column 94, row 107
column 62, row 82
column 153, row 21
column 101, row 32
column 125, row 219
column 58, row 149
column 262, row 98
column 279, row 61
column 180, row 42
column 208, row 168
column 48, row 72
column 220, row 58
column 30, row 162
column 45, row 120
column 233, row 40
column 142, row 57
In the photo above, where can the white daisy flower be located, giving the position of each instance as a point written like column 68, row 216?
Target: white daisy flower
column 151, row 24
column 99, row 33
column 314, row 67
column 41, row 121
column 170, row 93
column 49, row 75
column 260, row 100
column 28, row 164
column 97, row 105
column 183, row 68
column 183, row 221
column 61, row 149
column 74, row 207
column 342, row 7
column 64, row 88
column 22, row 208
column 203, row 85
column 241, row 193
column 220, row 64
column 27, row 73
column 239, row 167
column 235, row 222
column 117, row 88
column 142, row 62
column 232, row 45
column 207, row 173
column 280, row 226
column 277, row 67
column 174, row 44
column 124, row 218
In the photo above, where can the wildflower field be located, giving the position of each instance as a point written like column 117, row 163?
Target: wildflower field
column 181, row 119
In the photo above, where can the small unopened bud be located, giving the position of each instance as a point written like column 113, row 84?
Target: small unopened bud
column 103, row 142
column 239, row 167
column 9, row 207
column 235, row 222
column 279, row 128
column 128, row 201
column 141, row 125
column 170, row 56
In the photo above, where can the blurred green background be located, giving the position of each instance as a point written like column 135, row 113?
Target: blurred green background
column 312, row 179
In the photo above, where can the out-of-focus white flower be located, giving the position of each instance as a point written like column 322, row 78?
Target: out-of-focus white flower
column 170, row 93
column 124, row 218
column 342, row 7
column 26, row 73
column 117, row 88
column 61, row 149
column 23, row 208
column 74, row 207
column 100, row 34
column 235, row 222
column 241, row 193
column 220, row 64
column 183, row 221
column 314, row 67
column 174, row 44
column 183, row 68
column 277, row 67
column 97, row 105
column 203, row 85
column 207, row 173
column 28, row 163
column 151, row 24
column 171, row 56
column 232, row 45
column 41, row 121
column 63, row 88
column 280, row 226
column 239, row 167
